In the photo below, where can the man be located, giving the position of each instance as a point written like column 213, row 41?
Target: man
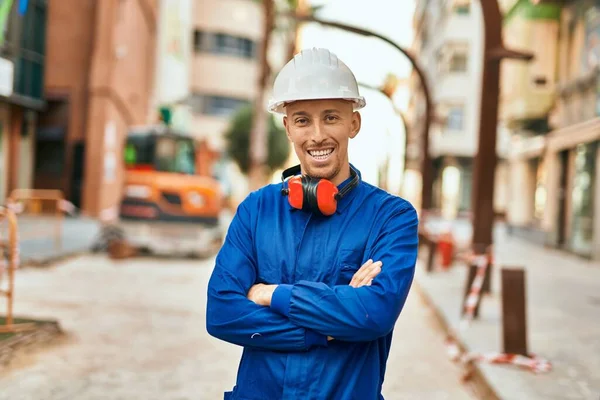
column 312, row 294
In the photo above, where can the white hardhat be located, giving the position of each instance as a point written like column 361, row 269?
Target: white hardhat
column 314, row 74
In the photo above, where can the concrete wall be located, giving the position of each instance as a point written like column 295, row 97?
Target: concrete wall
column 69, row 46
column 501, row 191
column 224, row 75
column 119, row 81
column 235, row 17
column 553, row 171
column 27, row 153
column 4, row 132
column 522, row 192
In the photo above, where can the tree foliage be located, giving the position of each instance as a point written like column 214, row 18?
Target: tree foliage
column 238, row 141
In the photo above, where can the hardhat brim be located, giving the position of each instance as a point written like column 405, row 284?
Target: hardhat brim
column 278, row 107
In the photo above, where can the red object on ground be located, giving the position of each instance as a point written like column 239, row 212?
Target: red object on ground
column 446, row 249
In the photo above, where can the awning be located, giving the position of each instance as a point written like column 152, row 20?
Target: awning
column 571, row 136
column 527, row 148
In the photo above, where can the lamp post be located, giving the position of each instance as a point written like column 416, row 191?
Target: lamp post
column 426, row 166
column 484, row 167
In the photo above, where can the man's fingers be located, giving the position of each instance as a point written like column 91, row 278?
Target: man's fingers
column 361, row 273
column 373, row 270
column 366, row 273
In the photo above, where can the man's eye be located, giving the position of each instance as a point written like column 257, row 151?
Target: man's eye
column 301, row 121
column 331, row 118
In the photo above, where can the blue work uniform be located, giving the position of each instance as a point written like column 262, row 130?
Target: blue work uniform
column 313, row 258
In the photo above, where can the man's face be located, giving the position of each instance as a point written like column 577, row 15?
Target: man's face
column 320, row 131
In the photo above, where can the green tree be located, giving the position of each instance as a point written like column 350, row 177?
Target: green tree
column 238, row 141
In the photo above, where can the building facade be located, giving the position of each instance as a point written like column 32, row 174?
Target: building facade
column 98, row 82
column 559, row 185
column 225, row 67
column 22, row 64
column 224, row 73
column 448, row 44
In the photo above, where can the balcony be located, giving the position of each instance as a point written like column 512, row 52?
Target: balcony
column 224, row 75
column 528, row 89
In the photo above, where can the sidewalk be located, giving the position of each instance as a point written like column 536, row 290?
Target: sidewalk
column 563, row 318
column 37, row 240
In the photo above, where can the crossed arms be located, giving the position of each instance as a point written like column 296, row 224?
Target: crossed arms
column 305, row 314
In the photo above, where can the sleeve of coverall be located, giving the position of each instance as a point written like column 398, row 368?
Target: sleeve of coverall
column 231, row 316
column 366, row 313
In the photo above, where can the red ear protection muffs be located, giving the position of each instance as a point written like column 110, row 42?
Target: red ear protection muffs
column 317, row 195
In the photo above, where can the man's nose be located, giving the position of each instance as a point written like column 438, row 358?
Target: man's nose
column 318, row 134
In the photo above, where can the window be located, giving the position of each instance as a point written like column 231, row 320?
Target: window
column 199, row 39
column 26, row 39
column 216, row 105
column 463, row 9
column 221, row 43
column 175, row 155
column 458, row 62
column 455, row 118
column 161, row 153
column 452, row 57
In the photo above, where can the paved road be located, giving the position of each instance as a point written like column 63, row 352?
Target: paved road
column 136, row 331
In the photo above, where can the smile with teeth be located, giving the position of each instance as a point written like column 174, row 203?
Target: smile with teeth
column 320, row 154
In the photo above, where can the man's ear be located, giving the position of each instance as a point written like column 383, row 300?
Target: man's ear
column 287, row 128
column 356, row 124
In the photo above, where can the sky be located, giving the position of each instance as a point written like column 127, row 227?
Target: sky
column 371, row 60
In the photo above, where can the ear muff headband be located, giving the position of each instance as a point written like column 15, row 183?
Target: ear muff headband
column 317, row 195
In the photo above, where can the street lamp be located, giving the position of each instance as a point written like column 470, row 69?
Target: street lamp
column 426, row 166
column 484, row 167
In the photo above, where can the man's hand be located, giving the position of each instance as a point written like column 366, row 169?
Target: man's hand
column 364, row 276
column 261, row 294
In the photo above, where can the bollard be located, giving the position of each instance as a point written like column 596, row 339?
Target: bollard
column 486, row 288
column 477, row 274
column 432, row 246
column 514, row 316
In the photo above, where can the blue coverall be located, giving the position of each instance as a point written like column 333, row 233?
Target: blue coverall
column 313, row 258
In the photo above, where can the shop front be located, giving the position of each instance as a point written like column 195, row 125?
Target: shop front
column 22, row 48
column 573, row 199
column 583, row 199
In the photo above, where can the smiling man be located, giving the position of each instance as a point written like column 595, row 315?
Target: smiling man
column 315, row 270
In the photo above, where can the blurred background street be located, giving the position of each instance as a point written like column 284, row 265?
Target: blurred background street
column 136, row 331
column 130, row 131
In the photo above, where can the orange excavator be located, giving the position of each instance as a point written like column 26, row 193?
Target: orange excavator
column 166, row 207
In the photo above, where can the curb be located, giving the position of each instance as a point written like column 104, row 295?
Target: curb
column 48, row 261
column 45, row 334
column 475, row 380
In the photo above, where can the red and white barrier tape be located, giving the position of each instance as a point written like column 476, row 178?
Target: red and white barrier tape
column 533, row 363
column 481, row 261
